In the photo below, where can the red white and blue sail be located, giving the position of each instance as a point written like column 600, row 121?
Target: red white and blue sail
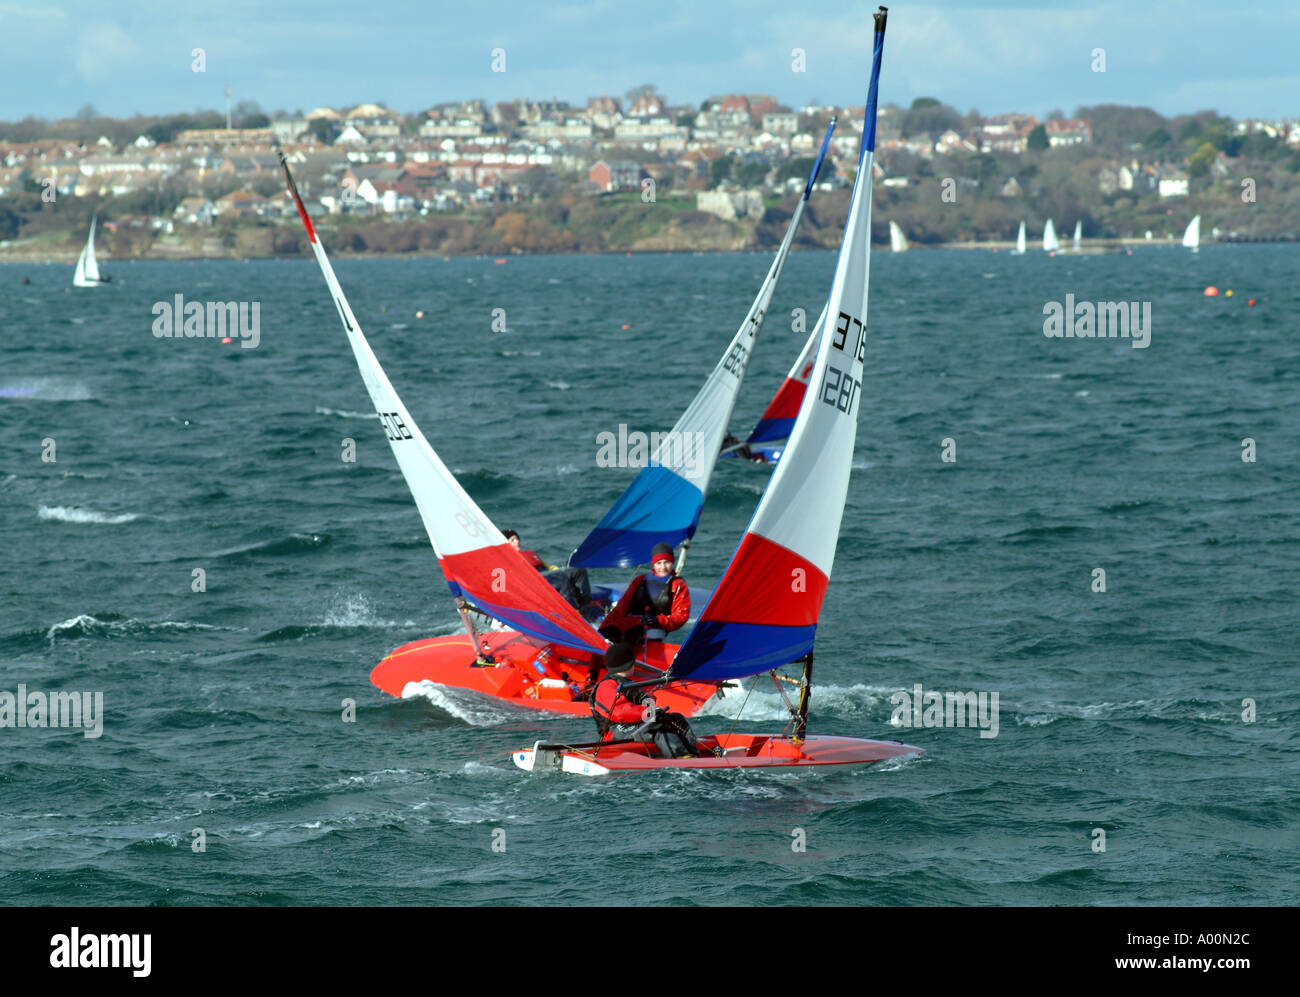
column 764, row 611
column 480, row 564
column 663, row 502
column 778, row 418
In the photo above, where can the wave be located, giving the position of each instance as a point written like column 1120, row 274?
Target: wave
column 765, row 703
column 48, row 389
column 72, row 514
column 469, row 707
column 113, row 625
column 293, row 544
column 356, row 611
column 345, row 414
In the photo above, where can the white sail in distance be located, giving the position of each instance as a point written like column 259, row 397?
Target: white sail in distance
column 1051, row 243
column 897, row 241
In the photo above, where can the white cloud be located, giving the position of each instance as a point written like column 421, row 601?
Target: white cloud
column 102, row 48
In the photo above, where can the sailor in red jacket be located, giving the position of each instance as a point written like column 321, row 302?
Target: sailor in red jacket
column 529, row 556
column 653, row 606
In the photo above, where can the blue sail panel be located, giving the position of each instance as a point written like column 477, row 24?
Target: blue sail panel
column 658, row 507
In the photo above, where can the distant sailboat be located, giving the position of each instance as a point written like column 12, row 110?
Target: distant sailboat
column 1078, row 235
column 1020, row 241
column 1051, row 244
column 1192, row 237
column 87, row 272
column 897, row 241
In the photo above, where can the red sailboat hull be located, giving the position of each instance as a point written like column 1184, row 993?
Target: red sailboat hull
column 527, row 672
column 737, row 751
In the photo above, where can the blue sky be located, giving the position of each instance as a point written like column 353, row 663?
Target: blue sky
column 995, row 56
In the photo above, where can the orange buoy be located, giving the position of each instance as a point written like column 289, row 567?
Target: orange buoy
column 629, row 252
column 226, row 341
column 499, row 260
column 625, row 327
column 1228, row 293
column 1211, row 291
column 1250, row 303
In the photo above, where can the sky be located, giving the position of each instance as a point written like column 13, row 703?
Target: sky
column 995, row 56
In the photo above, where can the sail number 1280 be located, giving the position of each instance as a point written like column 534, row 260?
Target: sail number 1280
column 839, row 388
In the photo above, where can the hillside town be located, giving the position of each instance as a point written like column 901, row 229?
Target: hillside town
column 185, row 184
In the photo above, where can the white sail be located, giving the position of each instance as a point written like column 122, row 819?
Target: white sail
column 897, row 241
column 1020, row 241
column 1050, row 242
column 86, row 273
column 764, row 612
column 1078, row 235
column 1192, row 237
column 479, row 563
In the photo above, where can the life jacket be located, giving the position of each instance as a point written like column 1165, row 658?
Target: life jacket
column 662, row 606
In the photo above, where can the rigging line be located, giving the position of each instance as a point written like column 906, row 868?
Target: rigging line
column 742, row 709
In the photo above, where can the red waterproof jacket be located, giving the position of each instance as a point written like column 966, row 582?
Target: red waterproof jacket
column 635, row 599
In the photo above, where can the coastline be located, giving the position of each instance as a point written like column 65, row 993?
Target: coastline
column 43, row 255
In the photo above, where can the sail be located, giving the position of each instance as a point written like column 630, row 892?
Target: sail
column 1078, row 235
column 86, row 273
column 778, row 418
column 480, row 564
column 1192, row 237
column 1020, row 241
column 764, row 611
column 897, row 241
column 1050, row 243
column 663, row 502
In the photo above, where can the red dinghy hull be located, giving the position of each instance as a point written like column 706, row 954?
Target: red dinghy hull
column 527, row 672
column 739, row 751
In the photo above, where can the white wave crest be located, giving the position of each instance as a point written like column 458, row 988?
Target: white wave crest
column 345, row 414
column 467, row 706
column 356, row 611
column 72, row 514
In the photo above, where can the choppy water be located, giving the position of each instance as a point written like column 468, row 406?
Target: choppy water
column 1119, row 710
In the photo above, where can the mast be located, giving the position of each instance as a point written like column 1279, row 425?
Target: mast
column 805, row 696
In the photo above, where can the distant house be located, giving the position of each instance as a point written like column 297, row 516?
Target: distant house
column 240, row 204
column 1070, row 131
column 730, row 204
column 195, row 211
column 616, row 174
column 288, row 129
column 781, row 122
column 1011, row 188
column 1173, row 185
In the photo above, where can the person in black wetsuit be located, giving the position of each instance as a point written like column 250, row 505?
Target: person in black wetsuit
column 670, row 733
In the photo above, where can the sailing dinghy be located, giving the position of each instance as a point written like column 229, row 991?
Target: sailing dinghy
column 1192, row 237
column 1020, row 241
column 544, row 658
column 1078, row 235
column 764, row 612
column 1051, row 243
column 662, row 504
column 87, row 272
column 897, row 241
